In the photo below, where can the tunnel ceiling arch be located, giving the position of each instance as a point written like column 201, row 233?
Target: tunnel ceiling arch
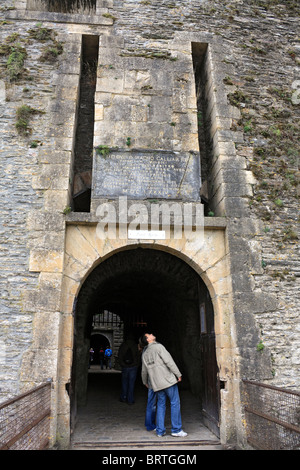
column 133, row 278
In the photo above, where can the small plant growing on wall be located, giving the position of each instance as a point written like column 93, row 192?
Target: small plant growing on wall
column 67, row 210
column 24, row 113
column 102, row 150
column 16, row 55
column 279, row 202
column 51, row 53
column 54, row 49
column 15, row 62
column 41, row 34
column 260, row 346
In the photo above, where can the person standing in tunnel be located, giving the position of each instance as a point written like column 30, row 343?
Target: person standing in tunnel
column 101, row 357
column 107, row 355
column 129, row 359
column 159, row 367
column 150, row 417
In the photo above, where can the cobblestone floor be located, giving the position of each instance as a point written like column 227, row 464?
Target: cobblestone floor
column 106, row 423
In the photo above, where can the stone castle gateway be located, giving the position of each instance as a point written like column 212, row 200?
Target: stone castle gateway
column 119, row 117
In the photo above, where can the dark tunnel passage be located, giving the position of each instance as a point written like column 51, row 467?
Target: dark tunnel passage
column 171, row 299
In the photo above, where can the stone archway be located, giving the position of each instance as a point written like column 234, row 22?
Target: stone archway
column 85, row 252
column 153, row 290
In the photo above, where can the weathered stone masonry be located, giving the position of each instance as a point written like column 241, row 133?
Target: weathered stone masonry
column 252, row 143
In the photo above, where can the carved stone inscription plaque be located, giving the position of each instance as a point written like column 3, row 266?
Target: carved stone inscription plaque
column 143, row 174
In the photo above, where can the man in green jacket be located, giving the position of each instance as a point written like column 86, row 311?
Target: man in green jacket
column 159, row 367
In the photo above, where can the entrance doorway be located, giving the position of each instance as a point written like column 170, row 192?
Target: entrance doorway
column 157, row 292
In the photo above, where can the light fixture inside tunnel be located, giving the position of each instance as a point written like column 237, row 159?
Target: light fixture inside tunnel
column 140, row 323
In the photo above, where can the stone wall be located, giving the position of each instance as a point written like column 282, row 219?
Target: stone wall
column 251, row 98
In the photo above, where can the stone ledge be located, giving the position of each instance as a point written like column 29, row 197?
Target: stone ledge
column 23, row 15
column 85, row 218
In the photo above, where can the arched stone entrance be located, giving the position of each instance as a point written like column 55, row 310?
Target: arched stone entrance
column 155, row 291
column 124, row 275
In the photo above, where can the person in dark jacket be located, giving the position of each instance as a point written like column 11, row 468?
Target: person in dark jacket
column 129, row 358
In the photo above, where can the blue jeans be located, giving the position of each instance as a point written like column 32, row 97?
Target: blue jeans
column 173, row 394
column 150, row 410
column 128, row 382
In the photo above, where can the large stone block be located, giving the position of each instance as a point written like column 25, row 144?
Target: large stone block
column 55, row 177
column 46, row 260
column 43, row 323
column 38, row 220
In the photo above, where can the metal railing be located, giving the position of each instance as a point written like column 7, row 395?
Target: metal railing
column 25, row 420
column 272, row 416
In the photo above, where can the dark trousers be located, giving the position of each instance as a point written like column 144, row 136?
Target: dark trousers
column 128, row 383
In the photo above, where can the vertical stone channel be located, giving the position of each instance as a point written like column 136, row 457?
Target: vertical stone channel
column 198, row 55
column 83, row 149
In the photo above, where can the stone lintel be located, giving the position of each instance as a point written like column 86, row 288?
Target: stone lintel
column 84, row 218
